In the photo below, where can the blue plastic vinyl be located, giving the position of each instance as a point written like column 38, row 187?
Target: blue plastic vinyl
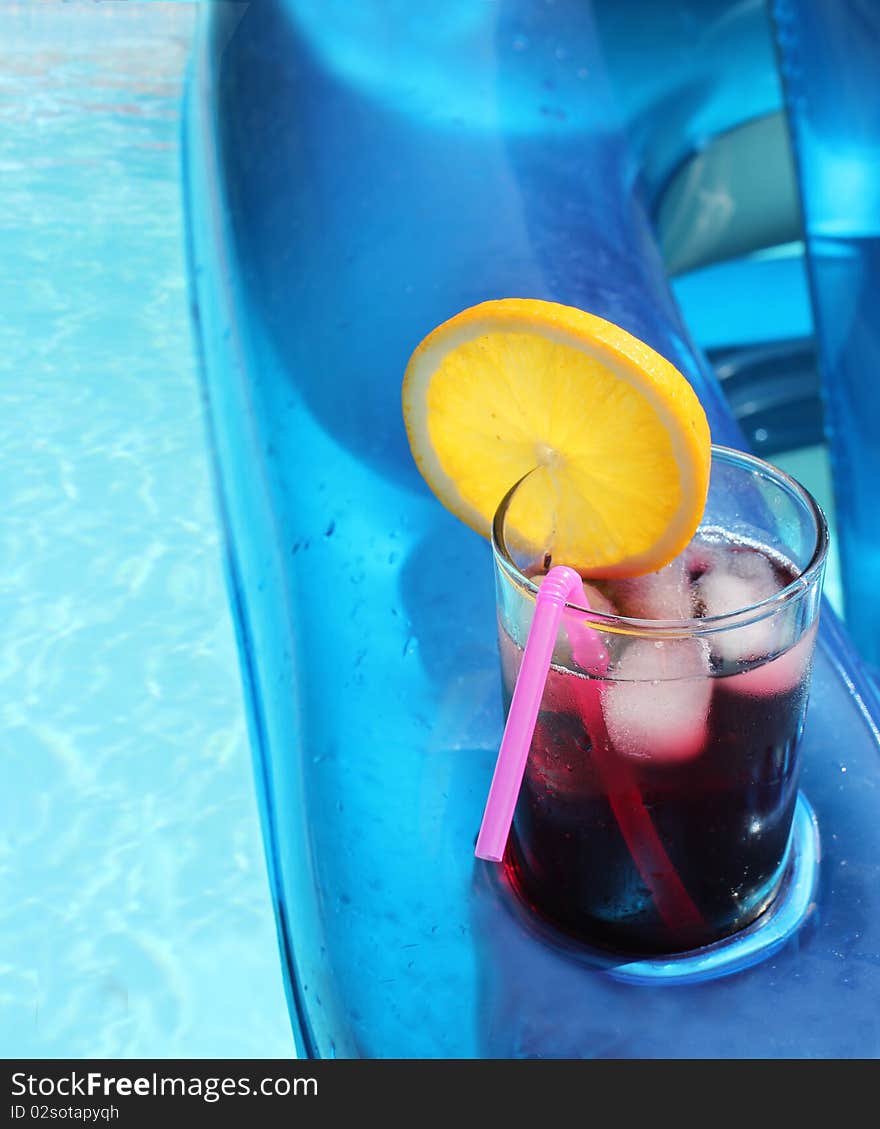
column 353, row 179
column 830, row 56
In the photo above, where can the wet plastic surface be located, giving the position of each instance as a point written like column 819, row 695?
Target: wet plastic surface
column 348, row 189
column 834, row 129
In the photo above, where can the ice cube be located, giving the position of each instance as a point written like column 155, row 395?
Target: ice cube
column 780, row 674
column 748, row 564
column 658, row 706
column 588, row 645
column 700, row 556
column 665, row 594
column 597, row 600
column 735, row 582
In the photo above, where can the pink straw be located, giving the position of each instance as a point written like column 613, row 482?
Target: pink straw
column 560, row 585
column 556, row 588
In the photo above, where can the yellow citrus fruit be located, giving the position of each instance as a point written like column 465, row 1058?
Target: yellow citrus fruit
column 615, row 436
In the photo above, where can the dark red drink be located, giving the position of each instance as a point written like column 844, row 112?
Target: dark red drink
column 656, row 807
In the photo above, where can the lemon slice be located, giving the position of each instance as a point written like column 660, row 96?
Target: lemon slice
column 614, row 436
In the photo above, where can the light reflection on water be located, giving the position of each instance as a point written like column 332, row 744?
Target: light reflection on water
column 134, row 906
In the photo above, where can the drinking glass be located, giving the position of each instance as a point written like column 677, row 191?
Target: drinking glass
column 655, row 812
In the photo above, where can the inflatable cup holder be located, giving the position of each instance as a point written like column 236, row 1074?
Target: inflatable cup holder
column 755, row 943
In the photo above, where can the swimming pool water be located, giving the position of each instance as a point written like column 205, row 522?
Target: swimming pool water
column 135, row 915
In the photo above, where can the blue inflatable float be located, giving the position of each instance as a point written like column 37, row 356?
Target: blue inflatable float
column 355, row 174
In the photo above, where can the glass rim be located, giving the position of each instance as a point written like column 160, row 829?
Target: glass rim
column 706, row 625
